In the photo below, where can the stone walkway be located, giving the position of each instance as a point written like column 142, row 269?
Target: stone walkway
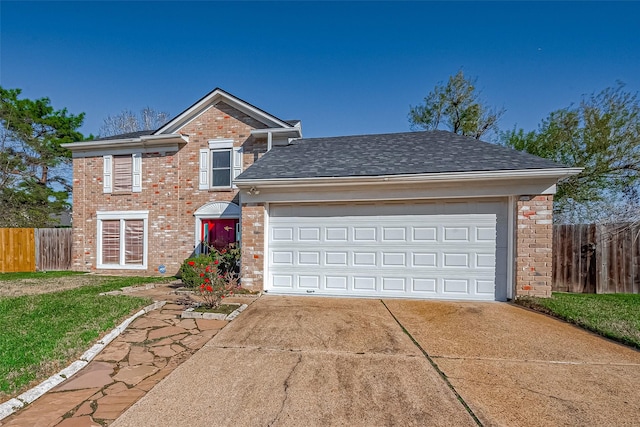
column 146, row 352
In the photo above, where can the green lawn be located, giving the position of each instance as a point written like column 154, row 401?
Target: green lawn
column 40, row 334
column 38, row 275
column 615, row 316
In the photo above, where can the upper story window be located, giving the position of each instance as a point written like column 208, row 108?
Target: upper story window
column 219, row 164
column 122, row 173
column 221, row 168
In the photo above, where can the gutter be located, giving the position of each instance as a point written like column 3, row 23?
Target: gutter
column 551, row 173
column 143, row 141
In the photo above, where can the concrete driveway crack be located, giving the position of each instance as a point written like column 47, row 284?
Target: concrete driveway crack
column 286, row 392
column 435, row 366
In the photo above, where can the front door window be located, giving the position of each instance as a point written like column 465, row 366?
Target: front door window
column 218, row 233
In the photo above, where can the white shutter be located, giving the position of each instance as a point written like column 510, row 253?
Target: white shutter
column 136, row 182
column 203, row 176
column 237, row 162
column 107, row 174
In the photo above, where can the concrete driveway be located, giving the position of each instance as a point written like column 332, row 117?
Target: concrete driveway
column 327, row 361
column 514, row 367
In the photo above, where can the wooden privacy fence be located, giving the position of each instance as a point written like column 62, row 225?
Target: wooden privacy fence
column 31, row 249
column 602, row 259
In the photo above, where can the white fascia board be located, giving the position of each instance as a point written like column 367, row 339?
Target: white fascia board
column 556, row 173
column 139, row 142
column 144, row 143
column 212, row 99
column 294, row 132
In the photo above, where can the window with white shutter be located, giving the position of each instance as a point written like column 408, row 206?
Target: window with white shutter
column 107, row 181
column 219, row 165
column 122, row 173
column 203, row 177
column 136, row 173
column 237, row 161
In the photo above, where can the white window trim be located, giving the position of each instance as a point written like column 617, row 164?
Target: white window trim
column 122, row 215
column 205, row 176
column 136, row 173
column 231, row 154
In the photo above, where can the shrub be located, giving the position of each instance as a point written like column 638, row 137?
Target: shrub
column 226, row 263
column 228, row 258
column 217, row 286
column 192, row 268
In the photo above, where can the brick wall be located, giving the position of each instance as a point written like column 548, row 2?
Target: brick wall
column 169, row 192
column 534, row 246
column 253, row 229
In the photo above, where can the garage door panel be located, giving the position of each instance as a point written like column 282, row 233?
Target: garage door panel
column 282, row 234
column 309, row 282
column 424, row 285
column 425, row 259
column 423, row 256
column 364, row 259
column 425, row 234
column 366, row 284
column 394, row 234
column 455, row 286
column 282, row 281
column 394, row 284
column 309, row 234
column 282, row 257
column 336, row 234
column 335, row 282
column 309, row 258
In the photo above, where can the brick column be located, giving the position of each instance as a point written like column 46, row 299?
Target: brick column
column 252, row 241
column 534, row 238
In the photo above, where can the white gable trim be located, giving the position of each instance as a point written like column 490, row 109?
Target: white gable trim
column 216, row 96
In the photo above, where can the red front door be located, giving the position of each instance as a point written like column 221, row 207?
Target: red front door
column 219, row 233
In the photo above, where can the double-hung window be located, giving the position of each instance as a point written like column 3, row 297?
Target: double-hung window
column 219, row 164
column 122, row 173
column 122, row 239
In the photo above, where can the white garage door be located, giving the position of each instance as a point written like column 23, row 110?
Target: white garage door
column 377, row 251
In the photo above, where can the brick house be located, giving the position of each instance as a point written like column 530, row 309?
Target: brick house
column 418, row 214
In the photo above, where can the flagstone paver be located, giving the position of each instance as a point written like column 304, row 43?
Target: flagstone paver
column 204, row 324
column 84, row 409
column 112, row 405
column 95, row 374
column 49, row 408
column 132, row 375
column 187, row 324
column 115, row 352
column 85, row 421
column 165, row 332
column 134, row 335
column 140, row 355
column 132, row 364
column 163, row 351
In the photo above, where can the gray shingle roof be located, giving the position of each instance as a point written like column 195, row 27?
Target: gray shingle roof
column 389, row 154
column 126, row 135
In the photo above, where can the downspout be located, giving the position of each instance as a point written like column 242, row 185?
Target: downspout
column 269, row 138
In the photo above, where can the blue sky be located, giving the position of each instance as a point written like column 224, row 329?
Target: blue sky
column 342, row 68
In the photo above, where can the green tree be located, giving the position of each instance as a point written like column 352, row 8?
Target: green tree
column 32, row 162
column 127, row 121
column 458, row 107
column 602, row 135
